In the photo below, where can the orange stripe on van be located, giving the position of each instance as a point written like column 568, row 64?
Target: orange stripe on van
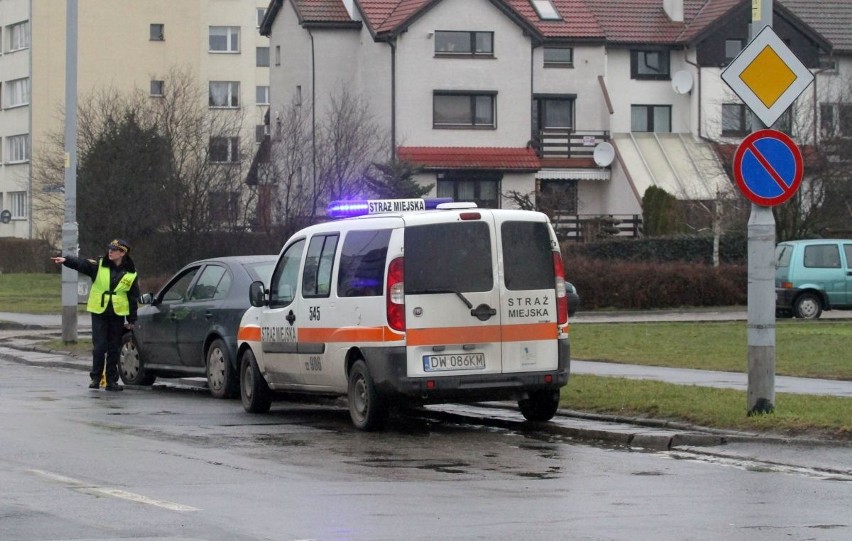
column 249, row 334
column 489, row 333
column 348, row 334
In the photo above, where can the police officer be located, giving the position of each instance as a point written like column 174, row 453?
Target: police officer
column 112, row 299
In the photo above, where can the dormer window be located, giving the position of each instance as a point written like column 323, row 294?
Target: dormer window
column 545, row 10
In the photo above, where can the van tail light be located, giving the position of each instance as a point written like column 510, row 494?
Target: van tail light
column 396, row 295
column 561, row 291
column 786, row 285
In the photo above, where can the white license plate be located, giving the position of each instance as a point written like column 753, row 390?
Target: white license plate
column 455, row 361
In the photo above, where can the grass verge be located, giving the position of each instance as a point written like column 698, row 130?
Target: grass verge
column 794, row 415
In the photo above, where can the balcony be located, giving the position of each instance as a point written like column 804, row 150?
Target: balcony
column 566, row 143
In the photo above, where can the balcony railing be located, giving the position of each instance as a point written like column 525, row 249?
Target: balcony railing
column 592, row 227
column 567, row 143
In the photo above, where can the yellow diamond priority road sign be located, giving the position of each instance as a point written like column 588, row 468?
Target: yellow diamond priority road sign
column 767, row 76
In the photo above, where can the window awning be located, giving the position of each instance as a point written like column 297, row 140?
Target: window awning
column 678, row 163
column 573, row 174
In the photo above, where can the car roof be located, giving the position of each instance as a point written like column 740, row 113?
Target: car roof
column 237, row 259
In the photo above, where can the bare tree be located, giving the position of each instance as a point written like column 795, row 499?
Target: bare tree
column 195, row 182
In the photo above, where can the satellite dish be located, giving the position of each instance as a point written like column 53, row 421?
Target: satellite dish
column 604, row 154
column 682, row 82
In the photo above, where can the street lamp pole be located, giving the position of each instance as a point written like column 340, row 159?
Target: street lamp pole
column 70, row 244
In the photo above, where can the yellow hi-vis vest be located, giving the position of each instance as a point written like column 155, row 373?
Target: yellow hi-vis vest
column 100, row 295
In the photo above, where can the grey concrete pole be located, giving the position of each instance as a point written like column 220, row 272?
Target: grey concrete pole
column 761, row 278
column 70, row 245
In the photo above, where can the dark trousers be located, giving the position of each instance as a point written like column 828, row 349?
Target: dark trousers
column 106, row 341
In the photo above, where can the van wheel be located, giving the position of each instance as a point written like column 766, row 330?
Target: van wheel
column 366, row 407
column 131, row 368
column 540, row 406
column 222, row 379
column 254, row 392
column 808, row 306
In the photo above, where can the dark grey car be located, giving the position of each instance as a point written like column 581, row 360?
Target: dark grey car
column 189, row 328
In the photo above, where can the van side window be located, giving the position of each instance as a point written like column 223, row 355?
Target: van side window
column 316, row 279
column 847, row 250
column 362, row 263
column 822, row 256
column 286, row 276
column 527, row 256
column 448, row 257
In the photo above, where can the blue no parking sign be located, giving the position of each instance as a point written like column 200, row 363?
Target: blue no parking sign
column 768, row 167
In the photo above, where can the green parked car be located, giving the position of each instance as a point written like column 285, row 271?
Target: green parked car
column 812, row 276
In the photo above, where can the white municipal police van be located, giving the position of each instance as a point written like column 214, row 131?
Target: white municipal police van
column 412, row 304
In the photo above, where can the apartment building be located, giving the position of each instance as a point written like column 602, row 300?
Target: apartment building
column 123, row 45
column 582, row 103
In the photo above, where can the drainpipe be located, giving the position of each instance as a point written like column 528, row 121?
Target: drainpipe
column 313, row 123
column 698, row 85
column 816, row 106
column 392, row 45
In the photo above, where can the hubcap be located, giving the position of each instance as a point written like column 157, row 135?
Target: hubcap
column 216, row 369
column 129, row 361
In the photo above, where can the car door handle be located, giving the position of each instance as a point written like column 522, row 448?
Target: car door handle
column 208, row 315
column 291, row 317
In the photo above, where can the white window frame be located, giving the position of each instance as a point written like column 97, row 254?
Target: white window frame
column 233, row 150
column 18, row 205
column 17, row 149
column 230, row 90
column 18, row 36
column 232, row 39
column 261, row 94
column 17, row 93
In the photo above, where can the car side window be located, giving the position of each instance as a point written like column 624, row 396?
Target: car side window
column 822, row 256
column 316, row 279
column 177, row 290
column 286, row 276
column 847, row 251
column 362, row 263
column 211, row 284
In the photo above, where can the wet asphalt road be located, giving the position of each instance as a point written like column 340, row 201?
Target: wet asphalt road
column 171, row 463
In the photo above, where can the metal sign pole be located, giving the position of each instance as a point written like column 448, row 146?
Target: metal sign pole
column 69, row 227
column 761, row 277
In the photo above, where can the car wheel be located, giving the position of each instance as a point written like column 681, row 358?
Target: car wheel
column 254, row 392
column 222, row 379
column 808, row 306
column 366, row 407
column 131, row 368
column 540, row 406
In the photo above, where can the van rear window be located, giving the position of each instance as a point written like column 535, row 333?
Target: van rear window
column 448, row 257
column 527, row 256
column 362, row 263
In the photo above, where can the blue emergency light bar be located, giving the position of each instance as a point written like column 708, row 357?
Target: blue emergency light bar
column 361, row 207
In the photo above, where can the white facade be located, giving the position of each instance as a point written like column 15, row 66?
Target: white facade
column 124, row 45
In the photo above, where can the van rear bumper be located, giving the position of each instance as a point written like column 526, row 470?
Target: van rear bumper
column 388, row 370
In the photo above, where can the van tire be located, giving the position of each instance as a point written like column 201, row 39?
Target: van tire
column 222, row 379
column 808, row 306
column 254, row 392
column 540, row 406
column 131, row 367
column 366, row 407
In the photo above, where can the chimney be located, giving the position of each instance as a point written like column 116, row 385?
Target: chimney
column 674, row 10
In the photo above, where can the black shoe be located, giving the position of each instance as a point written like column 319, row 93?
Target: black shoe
column 115, row 387
column 95, row 385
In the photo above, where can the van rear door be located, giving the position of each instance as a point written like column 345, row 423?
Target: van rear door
column 529, row 313
column 452, row 296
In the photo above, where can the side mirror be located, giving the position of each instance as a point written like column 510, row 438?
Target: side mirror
column 257, row 294
column 147, row 298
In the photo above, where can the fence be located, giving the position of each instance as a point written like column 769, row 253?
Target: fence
column 591, row 227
